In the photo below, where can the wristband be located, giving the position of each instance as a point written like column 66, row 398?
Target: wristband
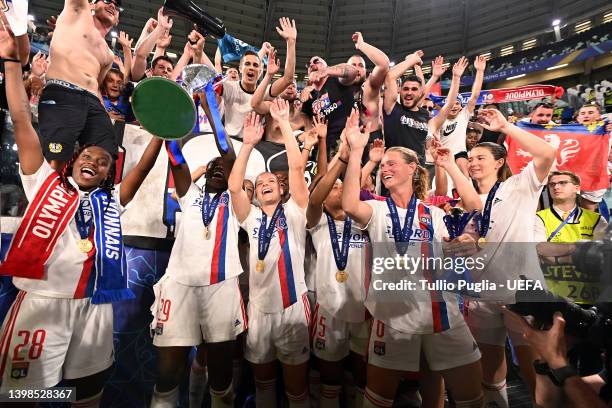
column 541, row 367
column 309, row 150
column 343, row 161
column 10, row 60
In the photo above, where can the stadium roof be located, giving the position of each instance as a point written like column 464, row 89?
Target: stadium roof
column 438, row 27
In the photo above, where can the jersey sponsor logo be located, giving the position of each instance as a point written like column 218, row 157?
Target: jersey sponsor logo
column 497, row 200
column 425, row 219
column 320, row 343
column 55, row 147
column 418, row 234
column 449, row 129
column 324, row 105
column 379, row 348
column 237, row 323
column 19, row 369
column 410, row 122
column 159, row 329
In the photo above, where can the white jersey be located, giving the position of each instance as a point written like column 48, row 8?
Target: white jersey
column 281, row 283
column 409, row 311
column 453, row 132
column 513, row 214
column 68, row 272
column 196, row 261
column 237, row 103
column 343, row 300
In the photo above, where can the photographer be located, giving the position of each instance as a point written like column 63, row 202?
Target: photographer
column 557, row 382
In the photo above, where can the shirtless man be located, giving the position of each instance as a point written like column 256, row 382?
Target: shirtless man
column 70, row 107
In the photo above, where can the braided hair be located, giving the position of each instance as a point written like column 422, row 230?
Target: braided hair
column 107, row 185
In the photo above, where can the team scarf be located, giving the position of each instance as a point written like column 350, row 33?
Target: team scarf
column 502, row 95
column 44, row 222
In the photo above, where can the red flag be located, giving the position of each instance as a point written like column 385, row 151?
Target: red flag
column 580, row 149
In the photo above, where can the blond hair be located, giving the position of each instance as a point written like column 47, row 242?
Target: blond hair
column 420, row 178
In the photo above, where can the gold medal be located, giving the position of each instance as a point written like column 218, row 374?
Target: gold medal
column 259, row 266
column 206, row 233
column 84, row 245
column 341, row 276
column 481, row 242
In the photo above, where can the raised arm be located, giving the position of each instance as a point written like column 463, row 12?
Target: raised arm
column 354, row 207
column 469, row 197
column 144, row 47
column 133, row 180
column 76, row 6
column 251, row 135
column 126, row 46
column 391, row 86
column 258, row 102
column 480, row 63
column 325, row 185
column 218, row 59
column 436, row 122
column 320, row 125
column 345, row 73
column 288, row 31
column 377, row 150
column 542, row 152
column 437, row 70
column 183, row 61
column 279, row 110
column 28, row 145
column 378, row 58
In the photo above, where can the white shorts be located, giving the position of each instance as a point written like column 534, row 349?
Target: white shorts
column 332, row 339
column 185, row 315
column 46, row 339
column 389, row 348
column 489, row 325
column 594, row 196
column 282, row 335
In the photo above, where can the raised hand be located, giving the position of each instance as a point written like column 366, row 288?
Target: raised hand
column 39, row 64
column 320, row 126
column 252, row 130
column 197, row 41
column 273, row 63
column 51, row 22
column 287, row 29
column 377, row 150
column 164, row 40
column 460, row 66
column 415, row 58
column 357, row 39
column 355, row 137
column 442, row 156
column 266, row 47
column 437, row 66
column 306, row 93
column 150, row 25
column 310, row 138
column 480, row 63
column 316, row 76
column 124, row 40
column 279, row 110
column 117, row 60
column 163, row 21
column 492, row 119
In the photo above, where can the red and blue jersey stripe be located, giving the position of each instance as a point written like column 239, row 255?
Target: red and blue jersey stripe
column 285, row 270
column 217, row 266
column 86, row 285
column 439, row 310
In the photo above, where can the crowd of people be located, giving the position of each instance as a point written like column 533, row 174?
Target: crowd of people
column 348, row 161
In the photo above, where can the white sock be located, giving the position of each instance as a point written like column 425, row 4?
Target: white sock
column 222, row 399
column 237, row 373
column 477, row 402
column 359, row 397
column 298, row 401
column 265, row 393
column 373, row 400
column 330, row 396
column 165, row 399
column 314, row 385
column 91, row 402
column 496, row 394
column 198, row 380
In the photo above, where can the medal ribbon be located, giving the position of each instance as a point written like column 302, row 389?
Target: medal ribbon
column 402, row 235
column 209, row 207
column 340, row 252
column 456, row 223
column 84, row 225
column 265, row 232
column 485, row 218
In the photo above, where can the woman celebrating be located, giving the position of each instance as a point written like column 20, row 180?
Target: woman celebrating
column 278, row 308
column 510, row 205
column 340, row 326
column 66, row 258
column 198, row 299
column 409, row 323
